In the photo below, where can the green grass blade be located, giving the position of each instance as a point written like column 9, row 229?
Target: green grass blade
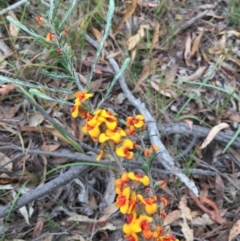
column 111, row 8
column 118, row 74
column 74, row 144
column 232, row 140
column 65, row 17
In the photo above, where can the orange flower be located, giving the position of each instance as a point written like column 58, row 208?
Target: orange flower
column 120, row 183
column 125, row 150
column 106, row 117
column 167, row 237
column 149, row 151
column 136, row 225
column 164, row 201
column 137, row 121
column 130, row 131
column 79, row 98
column 150, row 204
column 138, row 177
column 49, row 37
column 92, row 130
column 123, row 200
column 159, row 231
column 39, row 20
column 114, row 135
column 101, row 154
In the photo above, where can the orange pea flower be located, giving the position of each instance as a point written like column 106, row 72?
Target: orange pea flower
column 120, row 183
column 106, row 117
column 149, row 151
column 159, row 231
column 101, row 154
column 137, row 121
column 49, row 37
column 130, row 131
column 39, row 20
column 79, row 98
column 123, row 200
column 114, row 135
column 125, row 150
column 150, row 204
column 92, row 128
column 138, row 177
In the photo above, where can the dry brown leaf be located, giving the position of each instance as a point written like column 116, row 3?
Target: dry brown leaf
column 210, row 14
column 166, row 91
column 196, row 42
column 96, row 33
column 50, row 148
column 129, row 12
column 134, row 40
column 149, row 68
column 219, row 184
column 204, row 220
column 36, row 120
column 38, row 227
column 234, row 116
column 213, row 214
column 108, row 211
column 3, row 160
column 5, row 89
column 187, row 52
column 14, row 30
column 155, row 35
column 9, row 112
column 197, row 74
column 235, row 230
column 184, row 208
column 53, row 131
column 114, row 54
column 171, row 74
column 231, row 32
column 186, row 230
column 147, row 4
column 5, row 50
column 213, row 132
column 189, row 123
column 172, row 216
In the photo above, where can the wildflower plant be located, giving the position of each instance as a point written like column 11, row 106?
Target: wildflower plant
column 118, row 140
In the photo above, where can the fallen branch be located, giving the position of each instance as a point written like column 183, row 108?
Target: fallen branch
column 40, row 192
column 164, row 158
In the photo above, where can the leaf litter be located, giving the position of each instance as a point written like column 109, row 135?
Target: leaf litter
column 185, row 70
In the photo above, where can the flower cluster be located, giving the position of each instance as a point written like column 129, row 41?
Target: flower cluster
column 102, row 126
column 144, row 214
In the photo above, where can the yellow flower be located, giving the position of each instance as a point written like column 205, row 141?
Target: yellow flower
column 150, row 204
column 137, row 121
column 138, row 177
column 125, row 150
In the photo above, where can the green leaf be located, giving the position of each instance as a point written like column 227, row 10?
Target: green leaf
column 41, row 95
column 55, row 75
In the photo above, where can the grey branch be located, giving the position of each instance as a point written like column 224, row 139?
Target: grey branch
column 39, row 192
column 164, row 157
column 15, row 5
